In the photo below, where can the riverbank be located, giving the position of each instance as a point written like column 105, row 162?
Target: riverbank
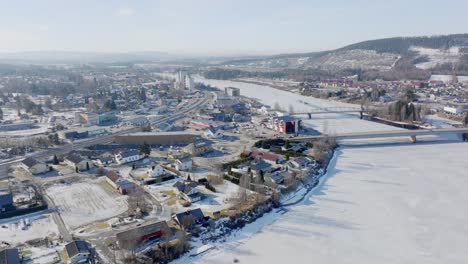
column 228, row 232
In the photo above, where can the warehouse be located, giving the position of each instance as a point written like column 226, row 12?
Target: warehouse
column 160, row 138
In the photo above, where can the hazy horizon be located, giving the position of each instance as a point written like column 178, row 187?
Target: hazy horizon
column 217, row 28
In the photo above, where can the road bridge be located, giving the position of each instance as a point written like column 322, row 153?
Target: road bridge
column 332, row 110
column 411, row 134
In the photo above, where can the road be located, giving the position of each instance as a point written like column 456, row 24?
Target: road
column 59, row 150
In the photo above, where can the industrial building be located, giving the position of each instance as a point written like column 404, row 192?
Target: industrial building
column 232, row 91
column 159, row 138
column 285, row 124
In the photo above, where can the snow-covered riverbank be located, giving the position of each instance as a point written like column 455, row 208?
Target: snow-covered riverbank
column 399, row 204
column 386, row 203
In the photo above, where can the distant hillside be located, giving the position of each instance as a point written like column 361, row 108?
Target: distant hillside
column 402, row 45
column 400, row 57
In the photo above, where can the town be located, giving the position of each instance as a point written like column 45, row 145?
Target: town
column 201, row 132
column 133, row 165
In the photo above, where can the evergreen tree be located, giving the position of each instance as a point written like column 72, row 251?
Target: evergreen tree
column 87, row 166
column 287, row 145
column 145, row 149
column 262, row 176
column 189, row 179
column 465, row 121
column 1, row 114
column 110, row 105
column 55, row 161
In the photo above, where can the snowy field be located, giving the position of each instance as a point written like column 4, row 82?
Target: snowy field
column 333, row 123
column 382, row 204
column 23, row 229
column 86, row 202
column 437, row 56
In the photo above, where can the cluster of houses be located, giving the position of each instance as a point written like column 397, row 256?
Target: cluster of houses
column 276, row 169
column 76, row 252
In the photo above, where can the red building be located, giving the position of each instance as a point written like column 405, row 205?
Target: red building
column 286, row 124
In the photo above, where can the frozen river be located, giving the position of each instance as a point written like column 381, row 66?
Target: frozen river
column 398, row 204
column 395, row 203
column 334, row 123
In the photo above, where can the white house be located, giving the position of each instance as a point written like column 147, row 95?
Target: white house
column 128, row 156
column 188, row 191
column 79, row 162
column 156, row 171
column 78, row 252
column 183, row 164
column 34, row 166
column 213, row 133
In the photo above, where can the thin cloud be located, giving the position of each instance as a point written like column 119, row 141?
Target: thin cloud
column 125, row 12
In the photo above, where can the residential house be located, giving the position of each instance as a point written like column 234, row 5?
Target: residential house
column 6, row 202
column 198, row 148
column 300, row 163
column 156, row 171
column 260, row 165
column 103, row 161
column 188, row 191
column 78, row 252
column 120, row 184
column 77, row 161
column 183, row 164
column 268, row 157
column 128, row 156
column 189, row 218
column 213, row 133
column 9, row 256
column 34, row 166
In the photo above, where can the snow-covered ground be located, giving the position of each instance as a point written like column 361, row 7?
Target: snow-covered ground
column 22, row 229
column 333, row 123
column 437, row 56
column 397, row 204
column 439, row 122
column 86, row 202
column 384, row 203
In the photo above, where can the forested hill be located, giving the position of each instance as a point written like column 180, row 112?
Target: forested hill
column 389, row 58
column 401, row 45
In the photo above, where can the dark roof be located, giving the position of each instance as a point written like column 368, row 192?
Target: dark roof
column 75, row 247
column 105, row 159
column 184, row 159
column 29, row 162
column 5, row 199
column 74, row 158
column 197, row 214
column 185, row 188
column 113, row 176
column 141, row 231
column 9, row 256
column 129, row 153
column 264, row 155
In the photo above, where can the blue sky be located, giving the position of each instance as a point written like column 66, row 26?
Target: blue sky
column 217, row 27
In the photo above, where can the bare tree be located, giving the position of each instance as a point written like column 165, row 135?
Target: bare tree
column 291, row 109
column 182, row 245
column 277, row 106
